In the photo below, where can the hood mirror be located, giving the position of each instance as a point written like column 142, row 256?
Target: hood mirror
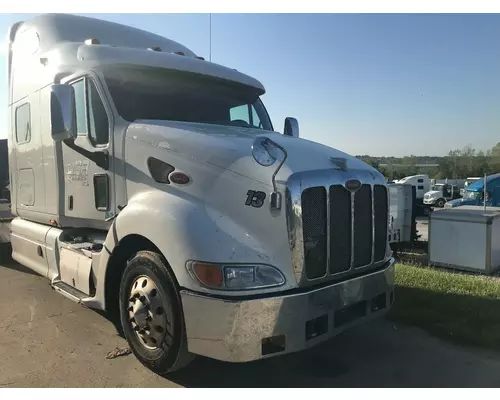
column 291, row 127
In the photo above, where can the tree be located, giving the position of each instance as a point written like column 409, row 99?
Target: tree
column 494, row 162
column 495, row 150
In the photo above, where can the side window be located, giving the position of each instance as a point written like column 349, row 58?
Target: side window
column 91, row 117
column 420, row 187
column 245, row 113
column 81, row 111
column 420, row 181
column 98, row 119
column 23, row 123
column 239, row 113
column 255, row 118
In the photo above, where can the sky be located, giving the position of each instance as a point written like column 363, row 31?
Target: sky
column 377, row 84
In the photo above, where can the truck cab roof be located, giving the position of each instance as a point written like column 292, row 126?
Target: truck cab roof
column 478, row 186
column 71, row 42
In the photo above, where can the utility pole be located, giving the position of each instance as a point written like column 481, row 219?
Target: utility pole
column 210, row 37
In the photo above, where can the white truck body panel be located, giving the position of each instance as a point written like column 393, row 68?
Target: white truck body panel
column 421, row 182
column 400, row 213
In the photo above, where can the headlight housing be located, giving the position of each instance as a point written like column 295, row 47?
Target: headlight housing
column 265, row 152
column 236, row 277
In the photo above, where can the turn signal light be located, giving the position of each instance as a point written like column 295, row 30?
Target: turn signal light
column 92, row 41
column 180, row 178
column 208, row 274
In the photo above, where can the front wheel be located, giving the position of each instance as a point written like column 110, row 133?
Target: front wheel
column 440, row 203
column 151, row 314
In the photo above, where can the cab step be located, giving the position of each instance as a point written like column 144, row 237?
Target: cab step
column 69, row 291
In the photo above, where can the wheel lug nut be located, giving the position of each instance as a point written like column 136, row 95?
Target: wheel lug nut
column 142, row 299
column 131, row 320
column 130, row 308
column 137, row 329
column 148, row 318
column 132, row 299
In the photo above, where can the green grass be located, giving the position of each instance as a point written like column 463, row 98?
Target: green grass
column 462, row 308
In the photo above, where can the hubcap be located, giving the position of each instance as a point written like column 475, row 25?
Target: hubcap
column 146, row 309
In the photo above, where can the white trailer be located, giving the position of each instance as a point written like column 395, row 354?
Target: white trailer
column 401, row 214
column 151, row 183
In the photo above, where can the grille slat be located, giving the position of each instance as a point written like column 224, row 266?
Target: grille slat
column 314, row 219
column 380, row 206
column 340, row 229
column 363, row 226
column 369, row 207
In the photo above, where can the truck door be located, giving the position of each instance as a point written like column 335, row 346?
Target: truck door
column 447, row 192
column 89, row 183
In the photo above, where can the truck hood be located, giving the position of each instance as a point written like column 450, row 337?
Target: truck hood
column 433, row 193
column 230, row 148
column 461, row 202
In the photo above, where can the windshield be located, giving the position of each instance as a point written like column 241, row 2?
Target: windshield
column 470, row 195
column 162, row 94
column 437, row 187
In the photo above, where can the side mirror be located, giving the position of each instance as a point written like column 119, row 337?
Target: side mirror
column 62, row 112
column 291, row 127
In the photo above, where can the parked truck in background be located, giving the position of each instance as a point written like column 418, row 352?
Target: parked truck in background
column 474, row 193
column 440, row 193
column 150, row 183
column 468, row 181
column 422, row 184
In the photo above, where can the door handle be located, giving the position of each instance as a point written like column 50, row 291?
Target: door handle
column 101, row 158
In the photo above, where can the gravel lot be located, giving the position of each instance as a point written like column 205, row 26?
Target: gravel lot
column 49, row 341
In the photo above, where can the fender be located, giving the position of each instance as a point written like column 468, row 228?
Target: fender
column 183, row 229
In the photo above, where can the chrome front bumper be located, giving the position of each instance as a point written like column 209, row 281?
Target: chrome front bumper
column 247, row 330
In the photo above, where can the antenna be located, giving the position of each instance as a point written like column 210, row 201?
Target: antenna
column 210, row 37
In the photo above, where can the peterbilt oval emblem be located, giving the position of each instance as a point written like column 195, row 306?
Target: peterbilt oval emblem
column 353, row 185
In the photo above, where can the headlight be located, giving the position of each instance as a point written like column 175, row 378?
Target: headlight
column 265, row 152
column 236, row 277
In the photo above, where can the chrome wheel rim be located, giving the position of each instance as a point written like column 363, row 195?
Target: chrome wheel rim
column 146, row 311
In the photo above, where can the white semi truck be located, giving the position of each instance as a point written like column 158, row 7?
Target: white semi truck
column 150, row 183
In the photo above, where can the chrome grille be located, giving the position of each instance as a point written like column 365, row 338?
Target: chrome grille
column 380, row 210
column 362, row 254
column 343, row 231
column 314, row 220
column 340, row 229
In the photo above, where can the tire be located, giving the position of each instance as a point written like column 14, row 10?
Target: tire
column 440, row 203
column 150, row 282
